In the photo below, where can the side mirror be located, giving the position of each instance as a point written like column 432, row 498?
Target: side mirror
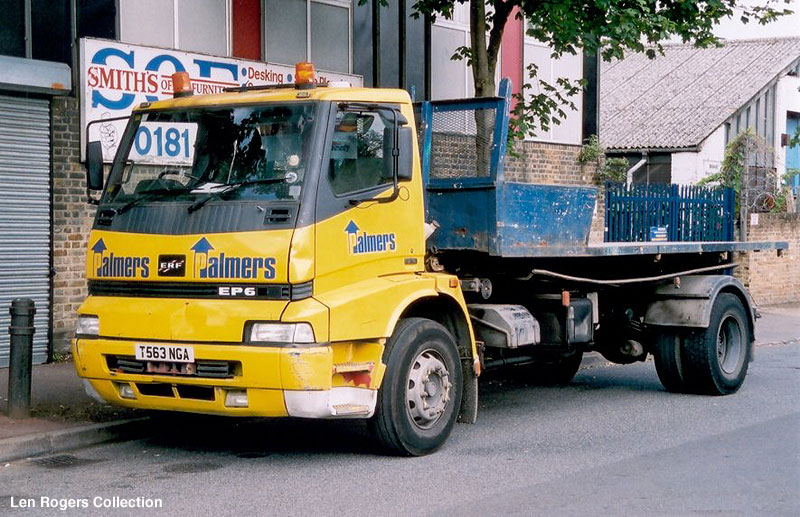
column 94, row 166
column 405, row 161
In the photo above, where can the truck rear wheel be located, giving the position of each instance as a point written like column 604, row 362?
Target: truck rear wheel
column 717, row 358
column 421, row 393
column 668, row 356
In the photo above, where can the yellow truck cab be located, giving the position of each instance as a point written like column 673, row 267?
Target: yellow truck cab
column 261, row 252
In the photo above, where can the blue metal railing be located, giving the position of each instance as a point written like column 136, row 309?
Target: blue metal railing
column 496, row 147
column 677, row 213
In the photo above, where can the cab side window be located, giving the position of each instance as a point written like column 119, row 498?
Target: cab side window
column 360, row 152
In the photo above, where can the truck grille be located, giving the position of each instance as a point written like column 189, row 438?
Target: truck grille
column 199, row 290
column 206, row 368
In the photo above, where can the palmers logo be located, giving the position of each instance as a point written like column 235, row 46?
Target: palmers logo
column 360, row 242
column 106, row 264
column 210, row 263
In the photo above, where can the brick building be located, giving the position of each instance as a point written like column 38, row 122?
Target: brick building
column 68, row 62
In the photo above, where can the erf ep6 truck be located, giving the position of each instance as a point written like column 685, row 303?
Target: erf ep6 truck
column 322, row 251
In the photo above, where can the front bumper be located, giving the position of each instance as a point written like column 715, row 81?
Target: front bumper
column 277, row 382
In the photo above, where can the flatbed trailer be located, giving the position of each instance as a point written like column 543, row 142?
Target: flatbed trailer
column 540, row 294
column 306, row 254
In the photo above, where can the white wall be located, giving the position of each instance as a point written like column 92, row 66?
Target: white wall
column 569, row 131
column 787, row 99
column 191, row 25
column 690, row 167
column 452, row 79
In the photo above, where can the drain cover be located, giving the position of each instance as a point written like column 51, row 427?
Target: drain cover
column 62, row 461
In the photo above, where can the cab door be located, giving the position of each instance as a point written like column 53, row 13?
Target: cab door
column 364, row 230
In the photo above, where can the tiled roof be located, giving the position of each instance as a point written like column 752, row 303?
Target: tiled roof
column 678, row 99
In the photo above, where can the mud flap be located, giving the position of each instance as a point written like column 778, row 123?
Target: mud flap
column 468, row 413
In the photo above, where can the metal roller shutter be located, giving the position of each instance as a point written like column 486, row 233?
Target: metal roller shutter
column 25, row 215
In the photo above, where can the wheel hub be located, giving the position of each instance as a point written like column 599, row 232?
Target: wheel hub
column 428, row 389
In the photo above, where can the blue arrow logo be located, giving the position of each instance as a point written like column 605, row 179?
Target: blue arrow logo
column 202, row 246
column 352, row 227
column 99, row 246
column 352, row 235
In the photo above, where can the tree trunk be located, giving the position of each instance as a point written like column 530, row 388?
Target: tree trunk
column 484, row 87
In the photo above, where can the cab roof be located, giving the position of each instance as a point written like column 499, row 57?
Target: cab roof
column 258, row 96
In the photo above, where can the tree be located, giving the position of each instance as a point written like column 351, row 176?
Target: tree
column 607, row 27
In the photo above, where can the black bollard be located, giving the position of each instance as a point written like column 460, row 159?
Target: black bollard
column 19, row 367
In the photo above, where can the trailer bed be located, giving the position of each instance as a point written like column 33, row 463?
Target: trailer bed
column 614, row 249
column 478, row 213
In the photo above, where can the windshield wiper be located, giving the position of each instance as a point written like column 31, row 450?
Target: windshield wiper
column 151, row 195
column 197, row 205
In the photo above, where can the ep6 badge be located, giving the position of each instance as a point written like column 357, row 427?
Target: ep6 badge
column 236, row 291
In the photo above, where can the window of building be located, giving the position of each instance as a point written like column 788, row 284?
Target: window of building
column 42, row 30
column 191, row 25
column 361, row 152
column 759, row 115
column 757, row 118
column 12, row 29
column 569, row 131
column 310, row 30
column 97, row 19
column 658, row 169
column 50, row 30
column 451, row 79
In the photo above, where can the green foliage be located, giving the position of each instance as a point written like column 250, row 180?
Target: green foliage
column 740, row 153
column 734, row 162
column 782, row 199
column 613, row 169
column 610, row 28
column 592, row 150
column 796, row 138
column 608, row 169
column 540, row 105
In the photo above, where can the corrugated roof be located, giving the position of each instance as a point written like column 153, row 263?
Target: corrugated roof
column 678, row 99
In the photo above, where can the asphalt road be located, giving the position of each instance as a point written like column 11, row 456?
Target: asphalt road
column 612, row 443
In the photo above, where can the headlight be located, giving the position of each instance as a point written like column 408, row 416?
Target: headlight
column 88, row 326
column 281, row 333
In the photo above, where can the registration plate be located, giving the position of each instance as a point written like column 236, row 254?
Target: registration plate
column 165, row 353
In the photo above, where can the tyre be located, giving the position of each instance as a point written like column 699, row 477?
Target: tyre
column 419, row 399
column 716, row 359
column 668, row 355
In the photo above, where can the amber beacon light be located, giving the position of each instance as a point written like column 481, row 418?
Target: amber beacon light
column 304, row 75
column 181, row 84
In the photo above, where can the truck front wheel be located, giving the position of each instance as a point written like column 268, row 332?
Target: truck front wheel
column 717, row 358
column 421, row 392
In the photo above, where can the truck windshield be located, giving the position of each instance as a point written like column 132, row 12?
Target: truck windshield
column 200, row 153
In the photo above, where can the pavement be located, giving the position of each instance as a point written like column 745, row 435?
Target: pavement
column 63, row 417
